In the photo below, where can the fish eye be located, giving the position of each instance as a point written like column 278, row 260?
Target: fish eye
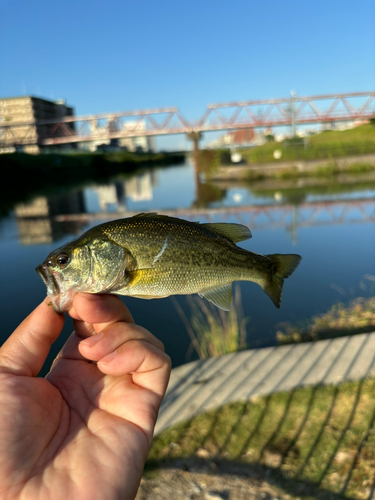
column 62, row 259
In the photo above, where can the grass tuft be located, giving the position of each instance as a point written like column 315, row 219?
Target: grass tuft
column 212, row 331
column 340, row 320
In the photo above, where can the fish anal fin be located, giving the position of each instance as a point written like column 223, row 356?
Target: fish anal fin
column 234, row 232
column 220, row 297
column 149, row 297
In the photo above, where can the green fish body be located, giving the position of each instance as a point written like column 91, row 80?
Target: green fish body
column 155, row 256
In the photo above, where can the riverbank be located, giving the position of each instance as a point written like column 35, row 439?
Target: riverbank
column 286, row 170
column 325, row 145
column 26, row 176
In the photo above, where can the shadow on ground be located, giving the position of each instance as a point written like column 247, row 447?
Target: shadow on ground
column 315, row 441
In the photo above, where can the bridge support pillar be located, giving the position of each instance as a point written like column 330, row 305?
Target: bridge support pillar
column 195, row 137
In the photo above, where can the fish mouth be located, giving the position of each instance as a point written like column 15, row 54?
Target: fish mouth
column 49, row 280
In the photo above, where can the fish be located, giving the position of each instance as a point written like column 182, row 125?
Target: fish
column 151, row 256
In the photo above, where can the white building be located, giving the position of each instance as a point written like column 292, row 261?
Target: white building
column 137, row 143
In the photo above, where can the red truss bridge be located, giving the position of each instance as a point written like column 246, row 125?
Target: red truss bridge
column 291, row 111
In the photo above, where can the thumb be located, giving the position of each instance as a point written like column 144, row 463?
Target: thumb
column 27, row 348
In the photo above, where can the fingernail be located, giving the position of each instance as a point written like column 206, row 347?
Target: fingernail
column 94, row 339
column 107, row 359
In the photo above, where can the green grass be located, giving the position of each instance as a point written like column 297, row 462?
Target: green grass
column 318, row 439
column 338, row 321
column 326, row 145
column 360, row 168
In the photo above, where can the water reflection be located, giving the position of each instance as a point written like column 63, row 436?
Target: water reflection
column 42, row 222
column 330, row 225
column 36, row 221
column 114, row 197
column 46, row 230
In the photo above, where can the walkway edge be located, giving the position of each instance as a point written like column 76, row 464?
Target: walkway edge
column 206, row 384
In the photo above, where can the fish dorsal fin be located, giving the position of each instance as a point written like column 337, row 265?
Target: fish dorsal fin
column 155, row 215
column 234, row 232
column 220, row 297
column 144, row 215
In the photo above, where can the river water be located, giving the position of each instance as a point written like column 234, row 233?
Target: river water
column 332, row 229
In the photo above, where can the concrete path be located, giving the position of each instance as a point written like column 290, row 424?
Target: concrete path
column 202, row 385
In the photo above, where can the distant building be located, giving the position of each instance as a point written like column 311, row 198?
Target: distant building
column 238, row 137
column 242, row 137
column 140, row 142
column 28, row 109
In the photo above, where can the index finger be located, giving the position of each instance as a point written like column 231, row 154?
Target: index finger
column 94, row 312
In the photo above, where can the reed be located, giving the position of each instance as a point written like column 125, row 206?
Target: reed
column 212, row 331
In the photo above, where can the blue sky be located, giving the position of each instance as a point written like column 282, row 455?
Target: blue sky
column 113, row 55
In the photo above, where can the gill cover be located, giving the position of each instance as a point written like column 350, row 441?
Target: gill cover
column 107, row 264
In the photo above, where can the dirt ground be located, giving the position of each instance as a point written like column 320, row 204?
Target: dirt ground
column 194, row 479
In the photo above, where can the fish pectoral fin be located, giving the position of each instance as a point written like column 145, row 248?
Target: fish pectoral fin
column 118, row 278
column 220, row 297
column 234, row 232
column 144, row 276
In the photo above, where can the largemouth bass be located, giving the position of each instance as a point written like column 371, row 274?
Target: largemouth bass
column 154, row 256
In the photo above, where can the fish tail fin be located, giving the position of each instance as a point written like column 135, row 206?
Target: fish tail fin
column 283, row 267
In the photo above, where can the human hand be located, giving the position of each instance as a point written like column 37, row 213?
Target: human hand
column 84, row 431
